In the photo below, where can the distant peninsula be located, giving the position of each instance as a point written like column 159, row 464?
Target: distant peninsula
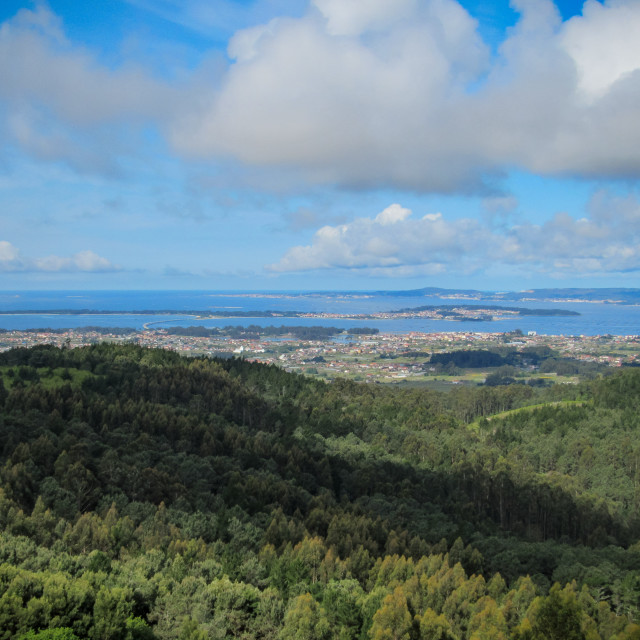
column 461, row 312
column 483, row 312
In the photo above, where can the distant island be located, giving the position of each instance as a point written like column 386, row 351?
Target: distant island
column 480, row 312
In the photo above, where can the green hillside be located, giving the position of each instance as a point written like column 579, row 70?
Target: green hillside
column 145, row 495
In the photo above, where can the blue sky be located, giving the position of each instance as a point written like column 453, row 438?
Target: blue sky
column 322, row 144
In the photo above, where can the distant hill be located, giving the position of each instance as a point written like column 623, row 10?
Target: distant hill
column 606, row 295
column 618, row 296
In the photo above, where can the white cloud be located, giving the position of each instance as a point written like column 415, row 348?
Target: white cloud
column 342, row 107
column 353, row 17
column 608, row 240
column 404, row 94
column 392, row 214
column 57, row 102
column 8, row 253
column 604, row 44
column 84, row 261
column 391, row 239
column 39, row 65
column 90, row 261
column 382, row 93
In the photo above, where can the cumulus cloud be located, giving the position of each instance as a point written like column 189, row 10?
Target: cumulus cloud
column 351, row 17
column 392, row 214
column 405, row 93
column 392, row 239
column 383, row 93
column 604, row 45
column 608, row 240
column 86, row 261
column 336, row 93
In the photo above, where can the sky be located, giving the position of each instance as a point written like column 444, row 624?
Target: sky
column 319, row 144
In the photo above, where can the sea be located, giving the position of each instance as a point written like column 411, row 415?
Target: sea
column 596, row 318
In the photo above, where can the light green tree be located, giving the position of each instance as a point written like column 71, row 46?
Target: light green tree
column 305, row 619
column 392, row 621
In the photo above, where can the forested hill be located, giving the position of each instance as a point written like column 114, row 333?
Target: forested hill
column 145, row 495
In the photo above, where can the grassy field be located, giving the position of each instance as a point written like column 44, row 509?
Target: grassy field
column 534, row 407
column 49, row 378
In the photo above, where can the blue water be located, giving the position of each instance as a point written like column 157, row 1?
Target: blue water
column 595, row 319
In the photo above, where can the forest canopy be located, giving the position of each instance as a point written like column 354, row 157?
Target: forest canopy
column 146, row 495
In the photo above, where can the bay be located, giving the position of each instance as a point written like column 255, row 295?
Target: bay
column 594, row 318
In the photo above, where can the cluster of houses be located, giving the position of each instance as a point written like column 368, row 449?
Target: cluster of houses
column 380, row 357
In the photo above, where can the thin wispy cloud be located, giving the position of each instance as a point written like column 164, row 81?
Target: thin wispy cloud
column 224, row 17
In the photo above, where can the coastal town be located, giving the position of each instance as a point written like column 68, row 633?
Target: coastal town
column 377, row 357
